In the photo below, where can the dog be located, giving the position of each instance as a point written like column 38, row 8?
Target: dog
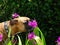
column 16, row 25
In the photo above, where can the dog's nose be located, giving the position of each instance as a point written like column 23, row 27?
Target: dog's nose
column 28, row 28
column 26, row 22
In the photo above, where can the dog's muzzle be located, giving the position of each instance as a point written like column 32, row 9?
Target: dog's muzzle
column 28, row 28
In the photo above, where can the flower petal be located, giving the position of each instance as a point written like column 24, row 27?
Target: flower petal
column 31, row 35
column 1, row 36
column 15, row 15
column 32, row 23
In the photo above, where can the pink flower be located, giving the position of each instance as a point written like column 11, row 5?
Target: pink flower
column 31, row 35
column 1, row 36
column 15, row 15
column 58, row 41
column 32, row 23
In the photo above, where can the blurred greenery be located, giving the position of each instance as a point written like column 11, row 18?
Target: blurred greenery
column 46, row 12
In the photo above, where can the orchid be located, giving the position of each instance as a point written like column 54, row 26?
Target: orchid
column 36, row 38
column 31, row 35
column 34, row 35
column 32, row 23
column 15, row 15
column 1, row 36
column 58, row 41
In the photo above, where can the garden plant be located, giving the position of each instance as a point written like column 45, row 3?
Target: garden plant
column 34, row 37
column 45, row 12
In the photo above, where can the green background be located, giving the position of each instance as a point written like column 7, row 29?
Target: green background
column 46, row 12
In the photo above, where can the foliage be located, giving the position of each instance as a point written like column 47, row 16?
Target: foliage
column 46, row 12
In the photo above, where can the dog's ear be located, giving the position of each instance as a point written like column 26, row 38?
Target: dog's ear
column 13, row 22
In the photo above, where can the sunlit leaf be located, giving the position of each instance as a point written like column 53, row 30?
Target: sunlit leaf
column 27, row 42
column 19, row 43
column 36, row 32
column 42, row 37
column 9, row 32
column 38, row 40
column 9, row 43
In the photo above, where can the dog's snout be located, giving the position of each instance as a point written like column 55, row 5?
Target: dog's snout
column 26, row 22
column 27, row 27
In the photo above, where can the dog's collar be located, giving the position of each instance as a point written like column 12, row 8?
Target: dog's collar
column 6, row 27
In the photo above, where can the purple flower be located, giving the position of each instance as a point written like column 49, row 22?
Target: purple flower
column 15, row 15
column 32, row 23
column 1, row 36
column 58, row 41
column 31, row 35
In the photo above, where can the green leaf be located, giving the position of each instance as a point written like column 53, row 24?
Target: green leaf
column 27, row 42
column 36, row 32
column 38, row 40
column 9, row 43
column 30, row 42
column 42, row 36
column 19, row 43
column 9, row 32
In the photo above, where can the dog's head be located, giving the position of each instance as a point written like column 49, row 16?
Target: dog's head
column 19, row 24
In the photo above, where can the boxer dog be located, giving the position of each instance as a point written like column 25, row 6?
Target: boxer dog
column 16, row 25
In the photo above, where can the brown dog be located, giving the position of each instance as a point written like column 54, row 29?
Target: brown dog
column 16, row 25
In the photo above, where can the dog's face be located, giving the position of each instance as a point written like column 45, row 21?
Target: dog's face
column 18, row 24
